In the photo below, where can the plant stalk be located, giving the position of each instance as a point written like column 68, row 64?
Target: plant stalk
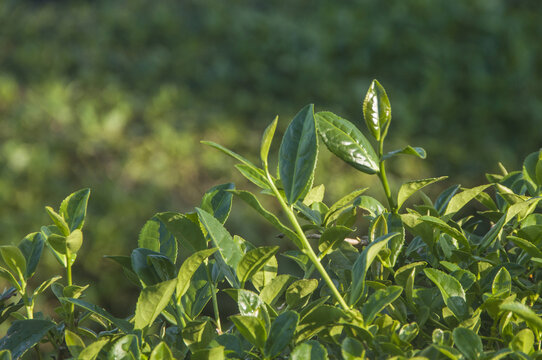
column 384, row 179
column 307, row 249
column 71, row 306
column 215, row 301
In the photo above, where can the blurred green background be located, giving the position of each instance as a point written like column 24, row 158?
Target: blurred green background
column 116, row 95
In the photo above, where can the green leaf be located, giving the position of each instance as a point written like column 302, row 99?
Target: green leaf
column 58, row 220
column 364, row 260
column 14, row 259
column 5, row 355
column 92, row 350
column 217, row 201
column 526, row 246
column 447, row 229
column 532, row 168
column 267, row 138
column 31, row 247
column 186, row 229
column 74, row 241
column 161, row 352
column 143, row 267
column 266, row 274
column 251, row 328
column 332, row 237
column 345, row 140
column 6, row 274
column 315, row 195
column 444, row 198
column 229, row 152
column 377, row 110
column 352, row 349
column 188, row 268
column 502, row 284
column 336, row 209
column 123, row 325
column 451, row 290
column 44, row 285
column 214, row 353
column 309, row 350
column 254, row 175
column 458, row 201
column 228, row 249
column 74, row 343
column 253, row 261
column 395, row 224
column 300, row 291
column 272, row 291
column 156, row 236
column 23, row 335
column 125, row 348
column 198, row 334
column 523, row 341
column 468, row 342
column 297, row 154
column 251, row 200
column 281, row 333
column 409, row 188
column 74, row 209
column 408, row 150
column 152, row 300
column 378, row 302
column 525, row 313
column 490, row 236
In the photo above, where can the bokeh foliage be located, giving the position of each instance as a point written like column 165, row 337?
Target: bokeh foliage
column 115, row 96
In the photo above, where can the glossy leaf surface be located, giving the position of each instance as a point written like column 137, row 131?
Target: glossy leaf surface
column 345, row 140
column 377, row 110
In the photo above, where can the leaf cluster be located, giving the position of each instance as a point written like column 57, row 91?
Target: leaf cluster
column 427, row 281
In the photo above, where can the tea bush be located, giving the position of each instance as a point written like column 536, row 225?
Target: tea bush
column 426, row 281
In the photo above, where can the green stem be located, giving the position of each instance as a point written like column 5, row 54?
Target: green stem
column 71, row 307
column 215, row 302
column 384, row 178
column 306, row 247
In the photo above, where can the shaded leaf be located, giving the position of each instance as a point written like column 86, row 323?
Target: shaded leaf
column 468, row 342
column 281, row 333
column 24, row 334
column 251, row 328
column 297, row 154
column 378, row 302
column 309, row 350
column 217, row 201
column 123, row 325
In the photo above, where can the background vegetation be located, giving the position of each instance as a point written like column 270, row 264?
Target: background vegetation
column 116, row 96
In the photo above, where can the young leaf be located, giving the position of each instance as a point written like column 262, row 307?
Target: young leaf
column 123, row 325
column 447, row 229
column 188, row 268
column 272, row 291
column 532, row 168
column 377, row 110
column 74, row 241
column 409, row 188
column 74, row 209
column 186, row 229
column 468, row 342
column 281, row 333
column 378, row 302
column 254, row 260
column 267, row 138
column 251, row 328
column 23, row 335
column 526, row 246
column 523, row 341
column 408, row 150
column 152, row 300
column 31, row 247
column 198, row 334
column 451, row 290
column 297, row 154
column 309, row 350
column 254, row 175
column 335, row 209
column 92, row 350
column 345, row 140
column 14, row 259
column 460, row 200
column 230, row 251
column 218, row 200
column 156, row 236
column 525, row 313
column 125, row 348
column 161, row 352
column 364, row 260
column 300, row 291
column 229, row 152
column 74, row 343
column 352, row 349
column 58, row 220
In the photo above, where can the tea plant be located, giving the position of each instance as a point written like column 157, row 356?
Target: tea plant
column 429, row 282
